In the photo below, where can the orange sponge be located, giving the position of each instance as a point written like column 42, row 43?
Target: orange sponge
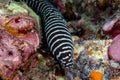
column 96, row 75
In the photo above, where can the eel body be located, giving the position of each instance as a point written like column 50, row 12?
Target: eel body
column 56, row 31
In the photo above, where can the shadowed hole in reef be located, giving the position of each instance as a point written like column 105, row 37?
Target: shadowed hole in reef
column 10, row 53
column 17, row 20
column 1, row 78
column 21, row 70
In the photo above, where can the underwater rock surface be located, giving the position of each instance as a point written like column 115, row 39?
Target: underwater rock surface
column 19, row 41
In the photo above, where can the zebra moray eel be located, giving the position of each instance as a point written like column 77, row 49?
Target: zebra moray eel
column 56, row 31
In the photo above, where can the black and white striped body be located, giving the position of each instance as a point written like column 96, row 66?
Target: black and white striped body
column 57, row 33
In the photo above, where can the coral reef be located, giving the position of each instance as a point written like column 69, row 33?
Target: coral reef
column 94, row 25
column 19, row 41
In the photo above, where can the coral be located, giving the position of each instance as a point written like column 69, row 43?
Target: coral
column 114, row 49
column 96, row 75
column 19, row 41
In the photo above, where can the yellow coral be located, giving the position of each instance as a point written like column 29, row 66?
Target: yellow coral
column 12, row 31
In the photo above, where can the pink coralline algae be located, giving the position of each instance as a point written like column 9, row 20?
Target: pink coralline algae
column 114, row 49
column 61, row 6
column 19, row 40
column 113, row 30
